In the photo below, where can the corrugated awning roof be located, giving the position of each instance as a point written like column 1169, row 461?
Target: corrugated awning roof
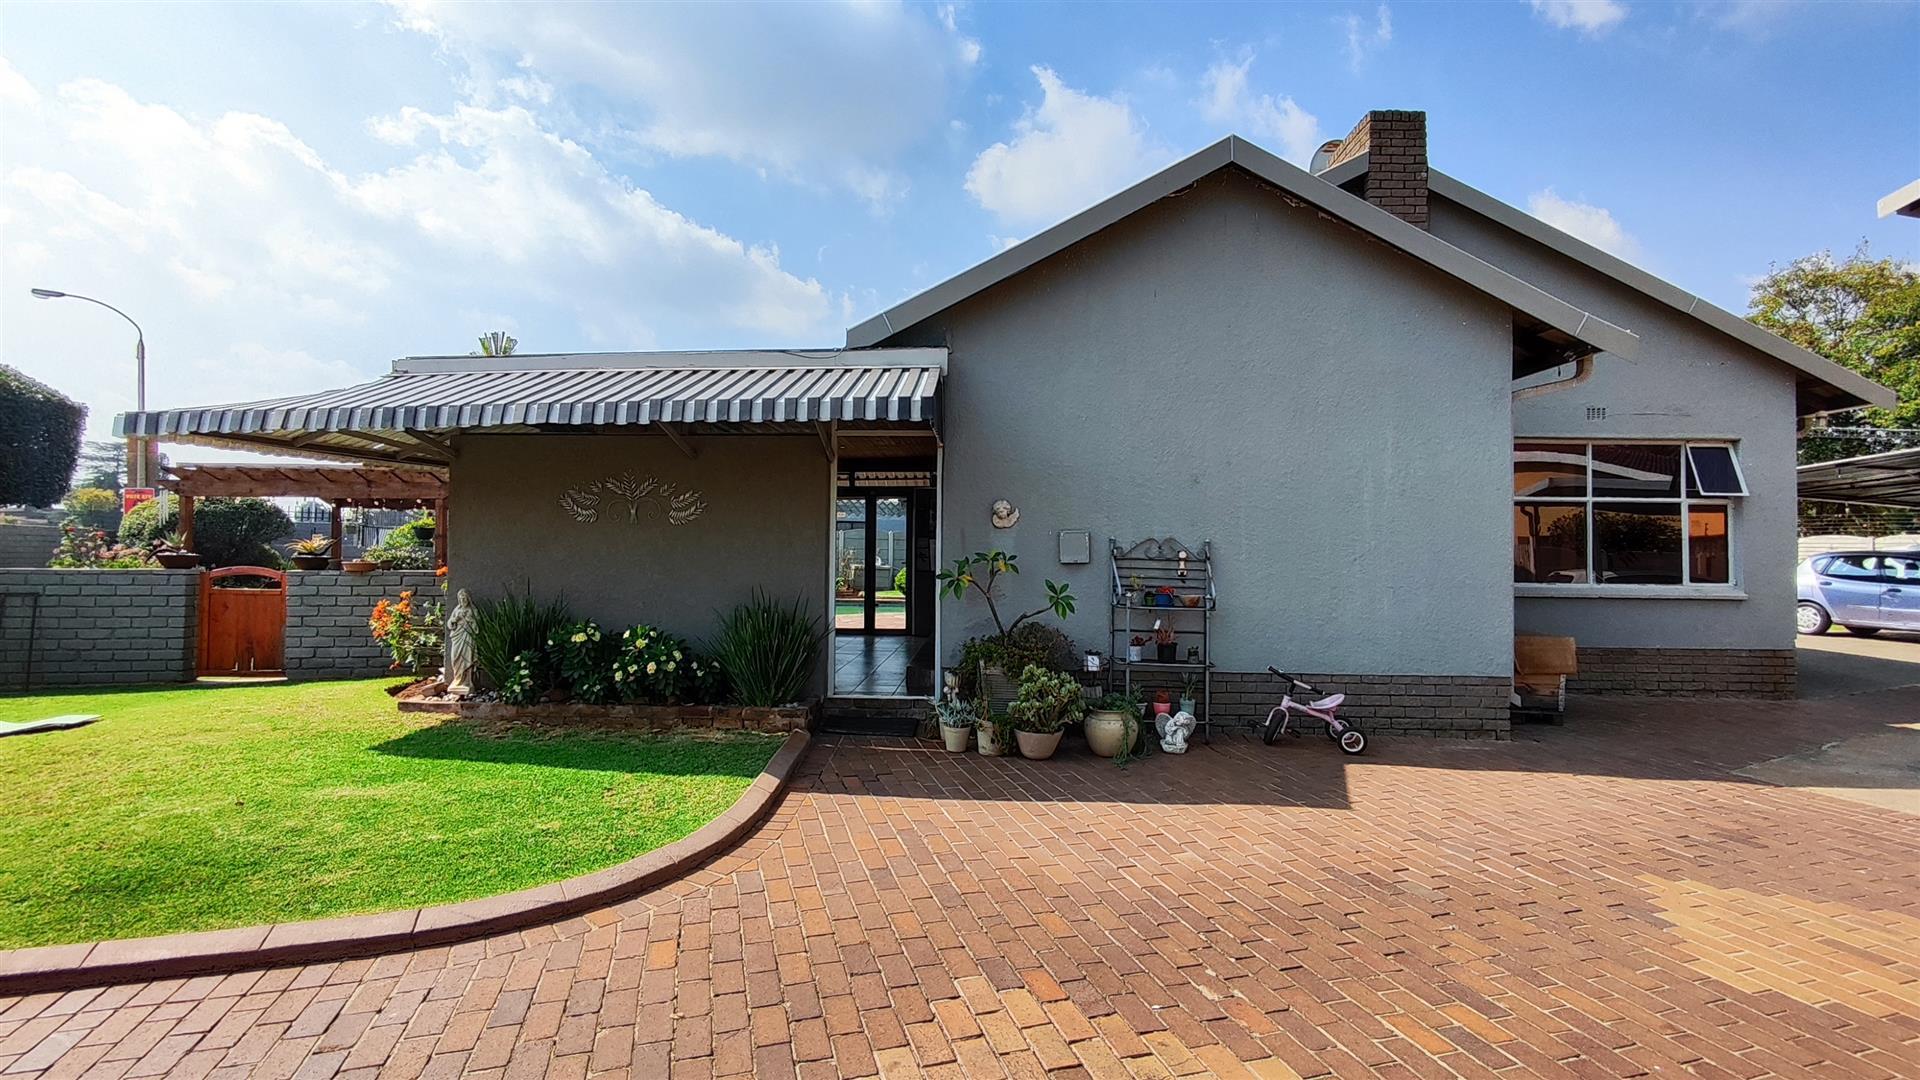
column 1889, row 479
column 405, row 415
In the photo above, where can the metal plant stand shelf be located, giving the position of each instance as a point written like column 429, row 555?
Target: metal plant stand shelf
column 1146, row 568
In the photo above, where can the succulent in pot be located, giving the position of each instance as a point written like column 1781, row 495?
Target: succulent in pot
column 1045, row 704
column 956, row 722
column 1164, row 643
column 1136, row 646
column 171, row 551
column 313, row 553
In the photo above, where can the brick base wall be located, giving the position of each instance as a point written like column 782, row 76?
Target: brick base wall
column 327, row 611
column 1456, row 706
column 1756, row 673
column 97, row 627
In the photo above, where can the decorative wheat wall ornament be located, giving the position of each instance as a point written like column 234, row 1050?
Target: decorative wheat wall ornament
column 583, row 501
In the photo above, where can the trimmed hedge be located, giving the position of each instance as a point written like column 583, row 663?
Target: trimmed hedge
column 39, row 440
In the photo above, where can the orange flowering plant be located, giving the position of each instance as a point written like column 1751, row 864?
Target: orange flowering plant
column 414, row 633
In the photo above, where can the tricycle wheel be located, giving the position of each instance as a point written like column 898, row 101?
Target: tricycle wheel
column 1352, row 741
column 1270, row 732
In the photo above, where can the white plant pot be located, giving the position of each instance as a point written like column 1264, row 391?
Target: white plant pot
column 1037, row 746
column 1134, row 651
column 956, row 738
column 1106, row 732
column 989, row 741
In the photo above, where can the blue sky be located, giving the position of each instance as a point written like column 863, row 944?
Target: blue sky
column 288, row 196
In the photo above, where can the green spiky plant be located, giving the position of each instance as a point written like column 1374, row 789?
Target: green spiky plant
column 767, row 649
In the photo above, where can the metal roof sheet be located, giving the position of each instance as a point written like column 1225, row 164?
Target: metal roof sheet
column 397, row 416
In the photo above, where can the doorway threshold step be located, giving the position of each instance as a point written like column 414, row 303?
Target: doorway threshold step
column 901, row 717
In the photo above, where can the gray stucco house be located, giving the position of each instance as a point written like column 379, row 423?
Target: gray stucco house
column 1410, row 420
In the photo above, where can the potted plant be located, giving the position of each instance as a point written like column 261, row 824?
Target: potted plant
column 313, row 553
column 995, row 733
column 1162, row 705
column 1113, row 724
column 1045, row 704
column 1135, row 647
column 171, row 552
column 1188, row 687
column 359, row 566
column 956, row 723
column 423, row 527
column 1165, row 646
column 1193, row 599
column 1163, row 596
column 978, row 573
column 1136, row 596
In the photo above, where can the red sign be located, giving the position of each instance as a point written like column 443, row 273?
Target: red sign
column 132, row 497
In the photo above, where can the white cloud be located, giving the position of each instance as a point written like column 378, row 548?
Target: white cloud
column 824, row 94
column 1067, row 153
column 1584, row 221
column 1228, row 102
column 1587, row 16
column 1364, row 39
column 259, row 267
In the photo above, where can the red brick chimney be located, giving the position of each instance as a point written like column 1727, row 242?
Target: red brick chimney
column 1395, row 142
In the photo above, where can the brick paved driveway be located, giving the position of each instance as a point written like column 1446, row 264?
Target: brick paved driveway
column 1605, row 899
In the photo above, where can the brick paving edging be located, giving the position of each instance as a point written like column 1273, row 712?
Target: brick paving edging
column 83, row 964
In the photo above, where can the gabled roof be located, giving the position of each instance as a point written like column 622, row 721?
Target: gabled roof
column 1827, row 385
column 1584, row 332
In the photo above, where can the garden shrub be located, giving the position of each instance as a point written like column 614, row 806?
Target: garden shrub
column 900, row 580
column 226, row 532
column 93, row 508
column 413, row 633
column 767, row 649
column 507, row 628
column 91, row 549
column 39, row 440
column 583, row 656
column 1029, row 644
column 529, row 677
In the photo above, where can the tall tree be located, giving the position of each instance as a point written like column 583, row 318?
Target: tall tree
column 103, row 464
column 1862, row 313
column 39, row 440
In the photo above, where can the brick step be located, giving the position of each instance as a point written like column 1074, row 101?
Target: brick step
column 902, row 717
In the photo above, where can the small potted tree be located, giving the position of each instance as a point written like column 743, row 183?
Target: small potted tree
column 313, row 553
column 956, row 723
column 1045, row 704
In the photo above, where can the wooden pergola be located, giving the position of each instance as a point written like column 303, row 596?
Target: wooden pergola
column 393, row 487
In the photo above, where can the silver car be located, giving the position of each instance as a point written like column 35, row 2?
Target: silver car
column 1864, row 591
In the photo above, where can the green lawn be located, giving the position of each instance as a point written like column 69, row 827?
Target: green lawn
column 206, row 807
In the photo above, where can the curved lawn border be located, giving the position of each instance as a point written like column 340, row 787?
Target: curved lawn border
column 210, row 952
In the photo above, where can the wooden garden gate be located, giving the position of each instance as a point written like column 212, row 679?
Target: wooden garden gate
column 243, row 629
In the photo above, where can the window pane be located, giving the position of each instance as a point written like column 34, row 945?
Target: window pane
column 1549, row 543
column 1636, row 471
column 1899, row 570
column 1550, row 470
column 1852, row 567
column 1711, row 471
column 1707, row 549
column 1637, row 544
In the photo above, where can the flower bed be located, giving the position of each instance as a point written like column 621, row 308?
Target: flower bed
column 774, row 719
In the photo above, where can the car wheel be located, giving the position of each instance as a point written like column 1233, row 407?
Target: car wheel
column 1862, row 631
column 1811, row 618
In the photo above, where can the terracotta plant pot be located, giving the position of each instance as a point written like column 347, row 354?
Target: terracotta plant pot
column 1193, row 600
column 1106, row 732
column 179, row 560
column 1036, row 746
column 989, row 742
column 312, row 562
column 359, row 566
column 956, row 738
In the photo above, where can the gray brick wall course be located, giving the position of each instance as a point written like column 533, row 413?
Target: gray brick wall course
column 327, row 636
column 97, row 627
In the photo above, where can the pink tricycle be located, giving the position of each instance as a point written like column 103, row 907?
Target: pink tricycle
column 1351, row 739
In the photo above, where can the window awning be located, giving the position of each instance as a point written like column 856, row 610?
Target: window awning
column 405, row 416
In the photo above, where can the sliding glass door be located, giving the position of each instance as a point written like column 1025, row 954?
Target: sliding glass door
column 872, row 550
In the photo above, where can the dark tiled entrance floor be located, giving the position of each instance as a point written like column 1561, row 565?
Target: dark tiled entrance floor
column 882, row 665
column 1603, row 899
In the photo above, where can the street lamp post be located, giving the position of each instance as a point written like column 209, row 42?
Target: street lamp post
column 136, row 444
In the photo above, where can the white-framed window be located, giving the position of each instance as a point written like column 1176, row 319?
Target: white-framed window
column 1624, row 512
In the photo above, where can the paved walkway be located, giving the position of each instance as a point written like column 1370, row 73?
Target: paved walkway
column 1604, row 899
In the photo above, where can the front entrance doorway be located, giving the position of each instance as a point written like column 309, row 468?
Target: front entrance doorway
column 883, row 583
